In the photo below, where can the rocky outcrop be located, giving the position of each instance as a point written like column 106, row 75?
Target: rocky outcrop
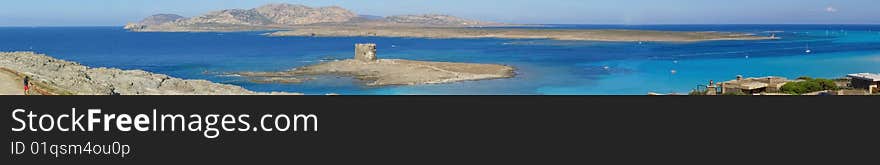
column 153, row 20
column 382, row 72
column 72, row 78
column 159, row 19
column 229, row 17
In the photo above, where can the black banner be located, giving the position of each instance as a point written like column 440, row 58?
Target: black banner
column 451, row 129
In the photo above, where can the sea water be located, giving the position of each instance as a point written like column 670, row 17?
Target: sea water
column 543, row 66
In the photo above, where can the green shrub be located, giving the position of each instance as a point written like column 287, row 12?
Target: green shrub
column 804, row 78
column 809, row 85
column 793, row 88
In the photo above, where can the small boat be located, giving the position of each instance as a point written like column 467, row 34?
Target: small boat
column 808, row 49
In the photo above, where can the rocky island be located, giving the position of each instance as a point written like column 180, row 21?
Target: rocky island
column 333, row 21
column 52, row 76
column 382, row 72
column 289, row 16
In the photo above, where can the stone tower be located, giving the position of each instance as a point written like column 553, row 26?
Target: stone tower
column 711, row 89
column 365, row 52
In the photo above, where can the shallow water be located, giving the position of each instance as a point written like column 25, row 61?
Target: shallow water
column 544, row 66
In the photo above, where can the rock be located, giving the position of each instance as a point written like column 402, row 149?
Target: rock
column 72, row 78
column 134, row 27
column 153, row 20
column 159, row 19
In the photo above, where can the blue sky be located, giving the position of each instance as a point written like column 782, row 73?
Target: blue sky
column 119, row 12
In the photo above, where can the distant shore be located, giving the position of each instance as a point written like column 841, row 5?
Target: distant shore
column 609, row 35
column 515, row 33
column 301, row 20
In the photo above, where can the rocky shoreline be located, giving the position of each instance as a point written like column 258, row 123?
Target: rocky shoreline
column 60, row 77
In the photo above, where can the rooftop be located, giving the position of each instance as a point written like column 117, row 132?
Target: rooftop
column 755, row 83
column 866, row 76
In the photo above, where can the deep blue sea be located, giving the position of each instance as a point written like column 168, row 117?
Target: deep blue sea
column 544, row 66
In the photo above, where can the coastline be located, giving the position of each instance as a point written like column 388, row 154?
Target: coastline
column 610, row 35
column 786, row 58
column 389, row 72
column 606, row 35
column 60, row 77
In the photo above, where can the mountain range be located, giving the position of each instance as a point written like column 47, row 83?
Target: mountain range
column 288, row 15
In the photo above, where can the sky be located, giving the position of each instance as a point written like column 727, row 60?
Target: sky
column 630, row 12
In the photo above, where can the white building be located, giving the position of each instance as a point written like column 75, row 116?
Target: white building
column 867, row 81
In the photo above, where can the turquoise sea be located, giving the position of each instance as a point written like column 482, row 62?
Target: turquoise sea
column 544, row 66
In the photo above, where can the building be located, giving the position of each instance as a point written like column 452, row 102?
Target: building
column 865, row 81
column 751, row 86
column 365, row 52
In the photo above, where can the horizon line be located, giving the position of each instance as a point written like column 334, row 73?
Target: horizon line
column 663, row 24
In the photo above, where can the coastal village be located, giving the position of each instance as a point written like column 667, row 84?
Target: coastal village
column 852, row 84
